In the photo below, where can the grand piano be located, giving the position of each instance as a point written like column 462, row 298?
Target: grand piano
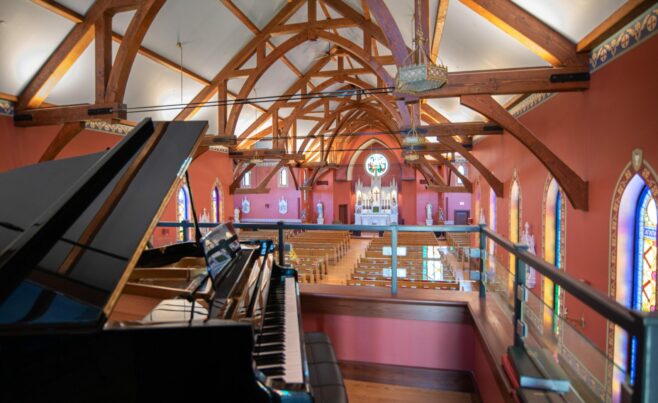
column 88, row 313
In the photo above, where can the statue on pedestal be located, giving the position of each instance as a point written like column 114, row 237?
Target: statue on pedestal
column 246, row 206
column 320, row 208
column 428, row 212
column 283, row 206
column 204, row 219
column 236, row 215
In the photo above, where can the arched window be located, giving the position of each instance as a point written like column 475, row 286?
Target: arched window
column 632, row 262
column 462, row 171
column 246, row 180
column 514, row 230
column 216, row 215
column 643, row 294
column 182, row 209
column 554, row 227
column 283, row 177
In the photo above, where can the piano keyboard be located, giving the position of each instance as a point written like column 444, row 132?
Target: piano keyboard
column 278, row 347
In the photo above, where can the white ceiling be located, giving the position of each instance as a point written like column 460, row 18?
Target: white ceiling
column 211, row 35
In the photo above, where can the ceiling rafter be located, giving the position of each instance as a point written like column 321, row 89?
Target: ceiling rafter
column 253, row 28
column 71, row 15
column 241, row 57
column 575, row 188
column 440, row 20
column 530, row 31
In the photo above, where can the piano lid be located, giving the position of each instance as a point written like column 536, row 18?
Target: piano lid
column 78, row 286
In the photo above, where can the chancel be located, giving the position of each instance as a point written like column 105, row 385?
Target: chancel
column 376, row 204
column 328, row 200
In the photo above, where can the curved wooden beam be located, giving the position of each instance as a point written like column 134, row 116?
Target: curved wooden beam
column 240, row 58
column 61, row 60
column 140, row 23
column 64, row 136
column 574, row 187
column 529, row 30
column 494, row 182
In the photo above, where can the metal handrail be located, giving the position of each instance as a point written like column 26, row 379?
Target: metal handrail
column 639, row 324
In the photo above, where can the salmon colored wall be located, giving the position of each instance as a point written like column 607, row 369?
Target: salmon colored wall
column 259, row 202
column 413, row 343
column 206, row 171
column 593, row 132
column 24, row 146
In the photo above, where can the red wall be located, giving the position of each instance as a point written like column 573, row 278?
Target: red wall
column 24, row 146
column 593, row 132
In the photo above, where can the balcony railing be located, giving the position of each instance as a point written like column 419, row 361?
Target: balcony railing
column 639, row 325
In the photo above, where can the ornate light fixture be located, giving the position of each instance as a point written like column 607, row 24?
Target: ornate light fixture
column 418, row 73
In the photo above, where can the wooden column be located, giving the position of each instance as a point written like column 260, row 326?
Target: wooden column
column 222, row 109
column 103, row 49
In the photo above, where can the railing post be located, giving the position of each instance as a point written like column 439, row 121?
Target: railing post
column 281, row 242
column 645, row 387
column 394, row 260
column 483, row 251
column 520, row 297
column 186, row 235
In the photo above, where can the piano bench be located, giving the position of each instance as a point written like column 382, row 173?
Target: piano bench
column 326, row 378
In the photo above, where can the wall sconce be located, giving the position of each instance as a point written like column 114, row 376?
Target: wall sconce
column 574, row 321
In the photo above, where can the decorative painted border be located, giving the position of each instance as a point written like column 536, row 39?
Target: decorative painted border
column 585, row 375
column 530, row 103
column 649, row 176
column 106, row 127
column 6, row 107
column 636, row 32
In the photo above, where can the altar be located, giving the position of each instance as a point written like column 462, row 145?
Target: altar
column 376, row 204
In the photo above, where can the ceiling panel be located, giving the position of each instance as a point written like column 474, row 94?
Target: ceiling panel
column 454, row 111
column 258, row 11
column 572, row 18
column 28, row 37
column 203, row 30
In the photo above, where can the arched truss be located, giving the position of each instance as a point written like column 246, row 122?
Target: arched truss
column 474, row 88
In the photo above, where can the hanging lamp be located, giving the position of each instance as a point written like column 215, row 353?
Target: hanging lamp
column 418, row 73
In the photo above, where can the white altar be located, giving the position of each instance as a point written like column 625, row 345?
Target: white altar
column 376, row 204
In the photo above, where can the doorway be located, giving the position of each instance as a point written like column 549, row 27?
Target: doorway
column 461, row 217
column 342, row 213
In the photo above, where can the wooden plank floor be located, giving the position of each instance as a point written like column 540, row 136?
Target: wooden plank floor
column 362, row 392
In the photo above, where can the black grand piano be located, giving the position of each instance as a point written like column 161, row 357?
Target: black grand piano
column 87, row 313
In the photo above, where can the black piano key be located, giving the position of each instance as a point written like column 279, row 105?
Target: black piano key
column 270, row 338
column 269, row 348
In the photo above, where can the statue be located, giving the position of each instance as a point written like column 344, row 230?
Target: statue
column 428, row 212
column 204, row 219
column 320, row 208
column 283, row 206
column 526, row 238
column 236, row 215
column 246, row 206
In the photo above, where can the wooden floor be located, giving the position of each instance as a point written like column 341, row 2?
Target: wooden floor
column 366, row 382
column 360, row 391
column 338, row 273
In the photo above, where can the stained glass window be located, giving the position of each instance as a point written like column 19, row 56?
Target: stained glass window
column 558, row 262
column 644, row 290
column 246, row 180
column 215, row 204
column 182, row 210
column 462, row 171
column 283, row 177
column 376, row 165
